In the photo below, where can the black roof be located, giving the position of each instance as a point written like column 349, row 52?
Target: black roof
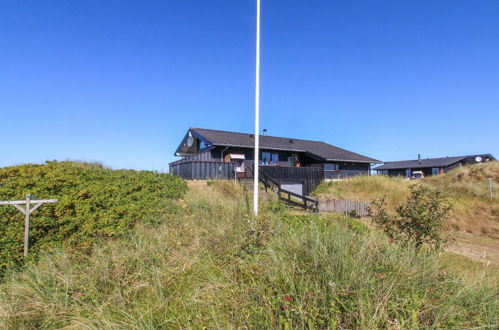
column 424, row 163
column 318, row 149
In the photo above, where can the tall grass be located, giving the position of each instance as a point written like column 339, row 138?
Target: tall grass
column 213, row 265
column 467, row 188
column 367, row 188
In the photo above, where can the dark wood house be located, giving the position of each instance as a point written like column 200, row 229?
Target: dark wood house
column 430, row 166
column 210, row 153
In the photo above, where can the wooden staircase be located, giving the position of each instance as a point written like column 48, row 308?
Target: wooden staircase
column 288, row 197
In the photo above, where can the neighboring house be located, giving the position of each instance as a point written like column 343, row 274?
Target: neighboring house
column 200, row 147
column 430, row 166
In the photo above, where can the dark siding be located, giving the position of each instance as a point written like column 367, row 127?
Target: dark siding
column 201, row 170
column 249, row 154
column 206, row 156
column 448, row 168
column 399, row 172
column 402, row 172
column 310, row 177
column 347, row 170
column 354, row 166
column 208, row 165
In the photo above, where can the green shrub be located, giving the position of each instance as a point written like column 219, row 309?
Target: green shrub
column 419, row 219
column 93, row 202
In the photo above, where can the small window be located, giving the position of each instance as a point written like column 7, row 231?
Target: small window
column 202, row 145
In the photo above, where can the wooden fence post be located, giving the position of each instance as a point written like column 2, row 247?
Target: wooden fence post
column 27, row 211
column 26, row 225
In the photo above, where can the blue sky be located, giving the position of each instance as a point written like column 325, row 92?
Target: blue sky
column 121, row 81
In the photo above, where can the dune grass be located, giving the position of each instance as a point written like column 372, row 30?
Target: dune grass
column 466, row 187
column 211, row 264
column 367, row 188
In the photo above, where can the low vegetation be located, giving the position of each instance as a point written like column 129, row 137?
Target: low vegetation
column 472, row 210
column 94, row 202
column 472, row 224
column 419, row 219
column 367, row 188
column 213, row 265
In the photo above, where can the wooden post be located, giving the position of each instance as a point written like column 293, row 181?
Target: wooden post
column 27, row 211
column 26, row 225
column 490, row 189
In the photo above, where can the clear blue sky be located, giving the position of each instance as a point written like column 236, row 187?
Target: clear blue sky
column 121, row 81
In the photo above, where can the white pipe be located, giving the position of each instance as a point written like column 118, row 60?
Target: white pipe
column 257, row 112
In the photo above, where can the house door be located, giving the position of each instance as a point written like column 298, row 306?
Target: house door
column 293, row 159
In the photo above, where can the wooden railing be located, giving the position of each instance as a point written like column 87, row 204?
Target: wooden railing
column 287, row 196
column 309, row 177
column 203, row 170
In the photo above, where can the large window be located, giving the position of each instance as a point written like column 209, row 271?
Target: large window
column 270, row 158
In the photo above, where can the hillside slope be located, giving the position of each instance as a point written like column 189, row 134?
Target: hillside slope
column 212, row 265
column 94, row 202
column 473, row 222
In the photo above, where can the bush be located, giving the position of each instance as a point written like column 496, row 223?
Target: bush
column 419, row 219
column 93, row 202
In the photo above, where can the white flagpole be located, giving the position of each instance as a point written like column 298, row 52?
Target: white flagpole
column 257, row 112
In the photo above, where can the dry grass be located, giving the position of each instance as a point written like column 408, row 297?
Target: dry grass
column 473, row 222
column 473, row 212
column 227, row 188
column 210, row 264
column 367, row 188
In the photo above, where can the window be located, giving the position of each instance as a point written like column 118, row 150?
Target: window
column 265, row 158
column 275, row 159
column 270, row 158
column 202, row 145
column 331, row 167
column 434, row 171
